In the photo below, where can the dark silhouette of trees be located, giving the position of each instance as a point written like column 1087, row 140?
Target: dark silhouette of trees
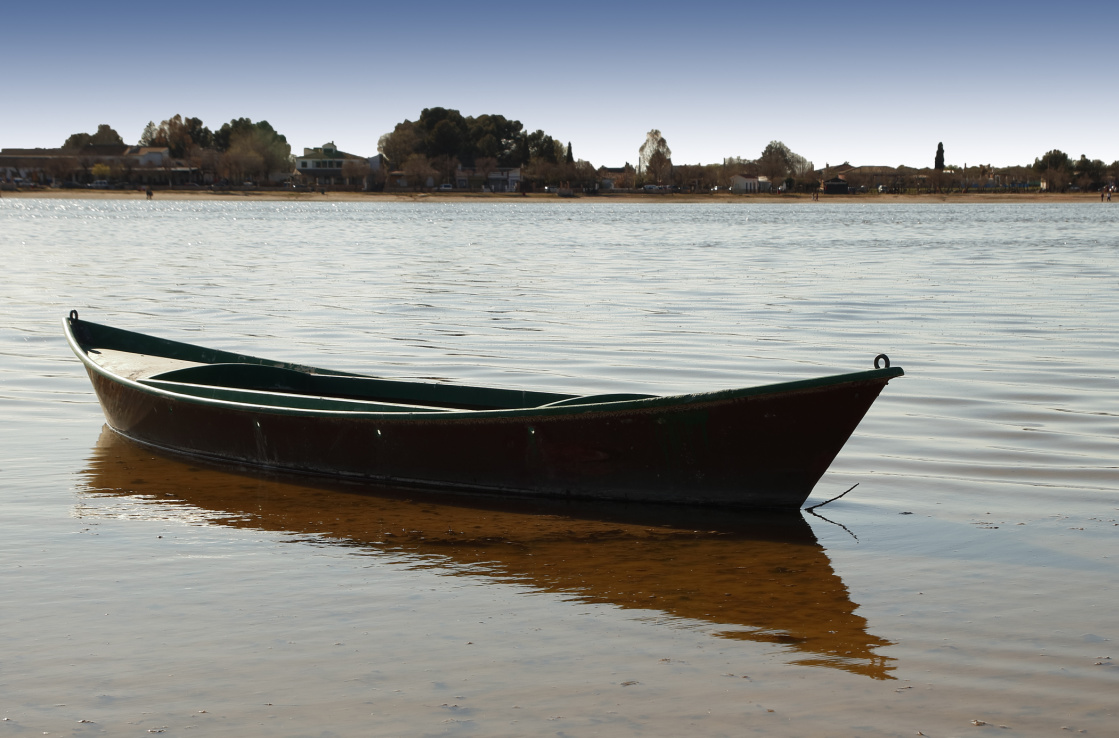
column 150, row 131
column 1055, row 167
column 398, row 145
column 542, row 147
column 105, row 136
column 179, row 135
column 224, row 136
column 938, row 162
column 253, row 150
column 443, row 132
column 1090, row 173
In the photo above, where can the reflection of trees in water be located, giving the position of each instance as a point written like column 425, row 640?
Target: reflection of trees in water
column 763, row 576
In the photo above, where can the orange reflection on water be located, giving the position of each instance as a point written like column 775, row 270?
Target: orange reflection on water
column 763, row 576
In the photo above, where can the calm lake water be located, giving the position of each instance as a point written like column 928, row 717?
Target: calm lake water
column 966, row 584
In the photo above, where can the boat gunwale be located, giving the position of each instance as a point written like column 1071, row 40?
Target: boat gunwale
column 688, row 400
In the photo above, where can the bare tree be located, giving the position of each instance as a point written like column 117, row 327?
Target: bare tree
column 446, row 166
column 61, row 167
column 205, row 161
column 654, row 157
column 241, row 162
column 585, row 174
column 483, row 166
column 355, row 169
column 400, row 144
column 417, row 170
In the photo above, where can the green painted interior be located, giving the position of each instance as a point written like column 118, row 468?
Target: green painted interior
column 232, row 377
column 286, row 400
column 283, row 380
column 597, row 399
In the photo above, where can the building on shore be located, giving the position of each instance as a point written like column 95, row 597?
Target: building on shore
column 743, row 184
column 132, row 165
column 498, row 179
column 327, row 165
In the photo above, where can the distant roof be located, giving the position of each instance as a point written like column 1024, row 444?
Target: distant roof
column 30, row 152
column 141, row 150
column 103, row 150
column 320, row 152
column 871, row 169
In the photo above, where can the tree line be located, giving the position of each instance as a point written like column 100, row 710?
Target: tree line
column 238, row 150
column 442, row 141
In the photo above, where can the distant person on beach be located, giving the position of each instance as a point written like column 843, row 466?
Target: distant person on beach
column 149, row 192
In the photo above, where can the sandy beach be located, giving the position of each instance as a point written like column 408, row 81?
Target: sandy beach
column 282, row 195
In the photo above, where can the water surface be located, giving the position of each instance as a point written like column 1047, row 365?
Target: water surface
column 969, row 579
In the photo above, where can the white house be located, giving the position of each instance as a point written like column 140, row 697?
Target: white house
column 323, row 165
column 741, row 184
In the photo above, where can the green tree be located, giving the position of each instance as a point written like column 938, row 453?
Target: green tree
column 1054, row 167
column 149, row 134
column 447, row 138
column 446, row 132
column 488, row 147
column 775, row 162
column 1090, row 173
column 542, row 147
column 105, row 136
column 223, row 138
column 180, row 135
column 496, row 136
column 1055, row 159
column 255, row 151
column 76, row 141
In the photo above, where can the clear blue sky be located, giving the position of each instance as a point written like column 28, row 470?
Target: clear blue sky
column 866, row 82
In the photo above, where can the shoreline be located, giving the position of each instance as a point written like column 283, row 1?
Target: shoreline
column 730, row 199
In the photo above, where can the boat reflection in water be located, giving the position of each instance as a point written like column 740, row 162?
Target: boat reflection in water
column 764, row 576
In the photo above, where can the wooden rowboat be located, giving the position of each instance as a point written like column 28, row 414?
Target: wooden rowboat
column 753, row 447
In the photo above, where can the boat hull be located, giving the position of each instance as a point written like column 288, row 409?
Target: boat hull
column 760, row 449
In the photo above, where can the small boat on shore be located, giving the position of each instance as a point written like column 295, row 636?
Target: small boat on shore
column 761, row 446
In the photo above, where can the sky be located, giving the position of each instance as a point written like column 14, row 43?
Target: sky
column 869, row 83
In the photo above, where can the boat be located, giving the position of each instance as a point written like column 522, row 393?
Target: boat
column 763, row 447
